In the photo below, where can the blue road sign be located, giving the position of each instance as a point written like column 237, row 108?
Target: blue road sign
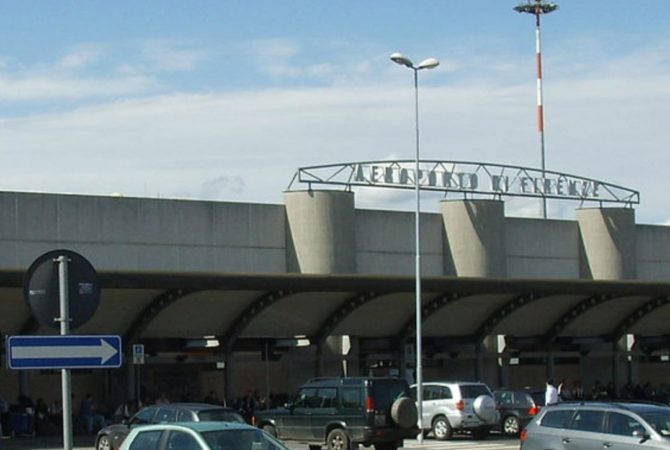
column 63, row 352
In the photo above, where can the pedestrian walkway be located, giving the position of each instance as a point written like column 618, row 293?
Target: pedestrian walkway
column 465, row 443
column 83, row 442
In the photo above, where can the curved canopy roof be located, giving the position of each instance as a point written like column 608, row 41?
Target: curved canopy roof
column 236, row 306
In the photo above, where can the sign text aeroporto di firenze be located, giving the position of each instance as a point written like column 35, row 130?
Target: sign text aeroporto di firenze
column 468, row 177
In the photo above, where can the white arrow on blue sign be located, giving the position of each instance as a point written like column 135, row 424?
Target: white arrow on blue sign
column 64, row 352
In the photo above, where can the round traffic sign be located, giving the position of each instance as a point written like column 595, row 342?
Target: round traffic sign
column 41, row 289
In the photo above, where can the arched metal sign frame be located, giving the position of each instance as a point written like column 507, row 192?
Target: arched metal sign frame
column 466, row 177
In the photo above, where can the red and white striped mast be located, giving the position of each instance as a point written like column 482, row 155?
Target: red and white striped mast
column 537, row 8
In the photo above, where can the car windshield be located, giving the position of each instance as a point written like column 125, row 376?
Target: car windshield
column 220, row 415
column 241, row 440
column 659, row 421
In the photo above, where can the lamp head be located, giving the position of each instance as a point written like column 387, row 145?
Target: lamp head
column 401, row 59
column 429, row 63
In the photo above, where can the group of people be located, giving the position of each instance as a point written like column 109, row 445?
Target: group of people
column 565, row 391
column 41, row 418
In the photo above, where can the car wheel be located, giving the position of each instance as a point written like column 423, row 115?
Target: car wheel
column 404, row 412
column 338, row 440
column 269, row 429
column 510, row 426
column 441, row 428
column 103, row 443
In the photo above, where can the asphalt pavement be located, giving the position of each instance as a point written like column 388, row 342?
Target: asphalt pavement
column 80, row 442
column 86, row 442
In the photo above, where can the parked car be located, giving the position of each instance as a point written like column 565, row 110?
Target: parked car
column 457, row 406
column 580, row 426
column 200, row 436
column 516, row 407
column 344, row 412
column 110, row 437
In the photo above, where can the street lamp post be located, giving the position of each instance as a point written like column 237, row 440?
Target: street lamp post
column 430, row 63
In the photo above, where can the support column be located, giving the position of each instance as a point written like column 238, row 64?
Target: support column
column 550, row 364
column 228, row 373
column 616, row 355
column 131, row 393
column 475, row 237
column 24, row 378
column 479, row 361
column 321, row 231
column 318, row 360
column 608, row 250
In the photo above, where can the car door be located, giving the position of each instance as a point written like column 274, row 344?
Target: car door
column 323, row 412
column 435, row 402
column 623, row 431
column 585, row 430
column 352, row 409
column 297, row 424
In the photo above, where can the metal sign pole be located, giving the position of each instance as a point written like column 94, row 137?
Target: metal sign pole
column 65, row 330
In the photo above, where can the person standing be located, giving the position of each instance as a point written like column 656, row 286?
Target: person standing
column 163, row 399
column 4, row 418
column 89, row 415
column 551, row 394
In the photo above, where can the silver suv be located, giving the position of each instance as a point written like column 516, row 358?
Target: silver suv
column 457, row 406
column 580, row 426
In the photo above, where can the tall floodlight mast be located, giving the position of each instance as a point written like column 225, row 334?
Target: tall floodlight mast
column 537, row 8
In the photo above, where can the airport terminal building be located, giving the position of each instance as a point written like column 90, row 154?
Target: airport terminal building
column 234, row 297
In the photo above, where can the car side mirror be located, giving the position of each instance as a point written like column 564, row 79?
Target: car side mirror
column 642, row 435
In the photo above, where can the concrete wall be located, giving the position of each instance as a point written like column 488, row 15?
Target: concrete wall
column 608, row 241
column 180, row 235
column 143, row 234
column 653, row 252
column 475, row 235
column 321, row 232
column 542, row 248
column 385, row 243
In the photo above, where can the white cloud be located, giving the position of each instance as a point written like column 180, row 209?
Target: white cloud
column 63, row 87
column 245, row 146
column 172, row 55
column 272, row 49
column 79, row 58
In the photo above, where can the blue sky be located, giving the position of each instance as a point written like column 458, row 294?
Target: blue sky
column 223, row 100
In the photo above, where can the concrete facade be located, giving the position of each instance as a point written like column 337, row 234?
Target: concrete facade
column 321, row 232
column 608, row 243
column 475, row 235
column 117, row 233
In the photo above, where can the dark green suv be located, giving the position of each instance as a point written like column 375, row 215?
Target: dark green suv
column 344, row 412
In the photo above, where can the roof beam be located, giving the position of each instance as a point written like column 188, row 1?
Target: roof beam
column 151, row 311
column 340, row 314
column 229, row 336
column 640, row 313
column 489, row 324
column 577, row 311
column 432, row 307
